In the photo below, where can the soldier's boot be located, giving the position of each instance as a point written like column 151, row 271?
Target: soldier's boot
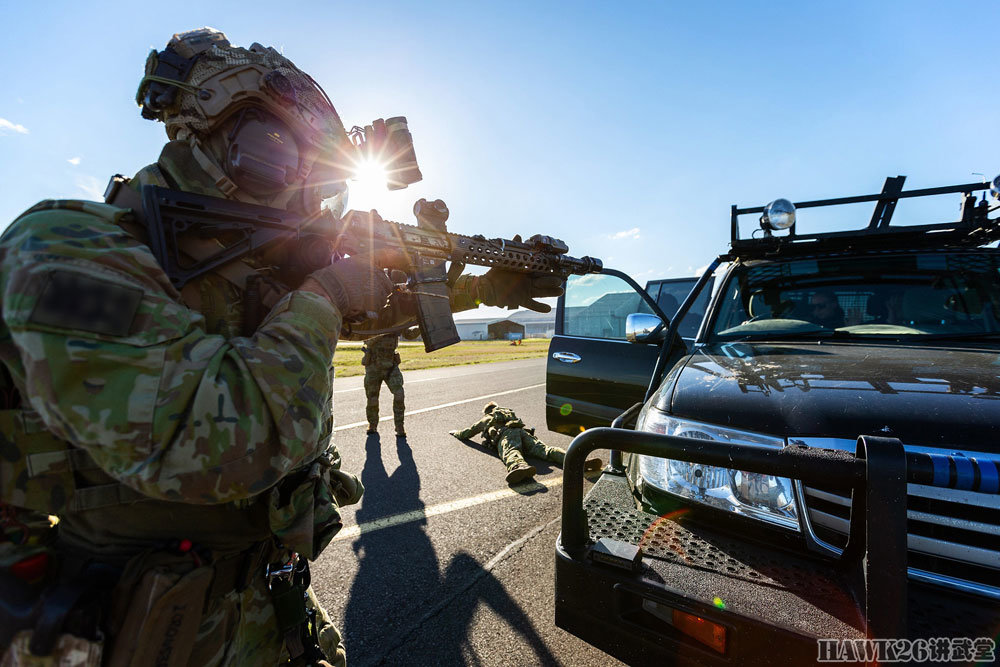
column 520, row 473
column 518, row 469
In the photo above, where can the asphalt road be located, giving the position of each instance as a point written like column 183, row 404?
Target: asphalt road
column 442, row 563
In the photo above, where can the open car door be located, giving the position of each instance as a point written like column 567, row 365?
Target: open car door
column 593, row 372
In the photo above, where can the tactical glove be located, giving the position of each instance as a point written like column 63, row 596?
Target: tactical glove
column 509, row 289
column 356, row 287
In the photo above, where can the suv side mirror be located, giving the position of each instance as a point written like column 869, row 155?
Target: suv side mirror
column 640, row 328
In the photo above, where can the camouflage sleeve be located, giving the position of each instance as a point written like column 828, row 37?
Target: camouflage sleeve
column 464, row 294
column 114, row 363
column 475, row 429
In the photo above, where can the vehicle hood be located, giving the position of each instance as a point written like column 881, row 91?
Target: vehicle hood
column 933, row 396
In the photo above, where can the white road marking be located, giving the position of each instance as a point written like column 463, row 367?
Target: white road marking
column 442, row 406
column 443, row 508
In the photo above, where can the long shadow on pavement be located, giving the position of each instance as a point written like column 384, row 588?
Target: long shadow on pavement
column 399, row 593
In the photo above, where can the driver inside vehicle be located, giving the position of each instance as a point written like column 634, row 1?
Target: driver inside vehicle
column 825, row 310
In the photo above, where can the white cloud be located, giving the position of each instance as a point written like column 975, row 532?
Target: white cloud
column 91, row 187
column 7, row 126
column 588, row 279
column 625, row 234
column 74, row 161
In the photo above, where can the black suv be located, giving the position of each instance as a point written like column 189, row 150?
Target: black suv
column 833, row 427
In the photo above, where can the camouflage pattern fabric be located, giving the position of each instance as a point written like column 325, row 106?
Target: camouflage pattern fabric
column 506, row 433
column 382, row 365
column 255, row 638
column 220, row 434
column 516, row 443
column 162, row 402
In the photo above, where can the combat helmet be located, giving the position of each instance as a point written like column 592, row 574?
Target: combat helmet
column 258, row 125
column 489, row 407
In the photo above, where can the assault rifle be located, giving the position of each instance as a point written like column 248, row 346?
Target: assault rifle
column 299, row 246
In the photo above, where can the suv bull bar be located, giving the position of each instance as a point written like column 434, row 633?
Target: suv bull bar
column 875, row 557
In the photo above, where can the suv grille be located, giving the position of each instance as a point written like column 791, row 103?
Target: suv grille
column 953, row 536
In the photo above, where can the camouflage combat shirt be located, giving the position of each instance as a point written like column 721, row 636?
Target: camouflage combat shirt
column 381, row 352
column 99, row 344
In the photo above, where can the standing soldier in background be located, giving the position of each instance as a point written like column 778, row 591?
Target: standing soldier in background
column 504, row 432
column 381, row 362
column 183, row 443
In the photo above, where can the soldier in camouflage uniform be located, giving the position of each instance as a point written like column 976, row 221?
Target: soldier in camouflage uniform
column 505, row 432
column 381, row 362
column 159, row 448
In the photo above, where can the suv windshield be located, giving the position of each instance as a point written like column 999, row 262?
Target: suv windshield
column 941, row 295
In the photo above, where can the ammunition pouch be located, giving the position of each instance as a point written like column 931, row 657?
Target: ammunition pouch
column 304, row 513
column 157, row 609
column 160, row 600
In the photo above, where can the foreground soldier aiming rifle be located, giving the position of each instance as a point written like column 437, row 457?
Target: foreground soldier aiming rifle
column 166, row 371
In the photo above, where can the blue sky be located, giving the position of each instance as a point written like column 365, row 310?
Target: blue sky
column 627, row 129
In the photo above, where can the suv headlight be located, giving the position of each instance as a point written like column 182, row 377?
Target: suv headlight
column 751, row 494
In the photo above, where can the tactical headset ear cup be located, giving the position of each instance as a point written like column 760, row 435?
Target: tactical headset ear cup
column 263, row 156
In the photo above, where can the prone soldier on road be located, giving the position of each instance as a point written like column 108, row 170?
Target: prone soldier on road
column 505, row 432
column 182, row 435
column 381, row 362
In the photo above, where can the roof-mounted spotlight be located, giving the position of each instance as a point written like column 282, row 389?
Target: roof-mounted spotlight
column 779, row 214
column 995, row 188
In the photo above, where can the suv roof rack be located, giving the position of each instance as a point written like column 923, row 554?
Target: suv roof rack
column 973, row 229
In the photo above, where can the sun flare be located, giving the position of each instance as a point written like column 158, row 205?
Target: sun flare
column 368, row 186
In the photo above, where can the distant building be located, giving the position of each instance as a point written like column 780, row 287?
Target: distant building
column 473, row 329
column 505, row 330
column 605, row 318
column 535, row 325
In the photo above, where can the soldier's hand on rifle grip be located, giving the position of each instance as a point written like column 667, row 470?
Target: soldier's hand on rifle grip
column 355, row 285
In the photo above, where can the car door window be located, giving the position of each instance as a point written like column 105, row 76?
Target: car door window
column 596, row 306
column 670, row 294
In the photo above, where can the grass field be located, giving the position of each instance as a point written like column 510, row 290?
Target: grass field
column 347, row 360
